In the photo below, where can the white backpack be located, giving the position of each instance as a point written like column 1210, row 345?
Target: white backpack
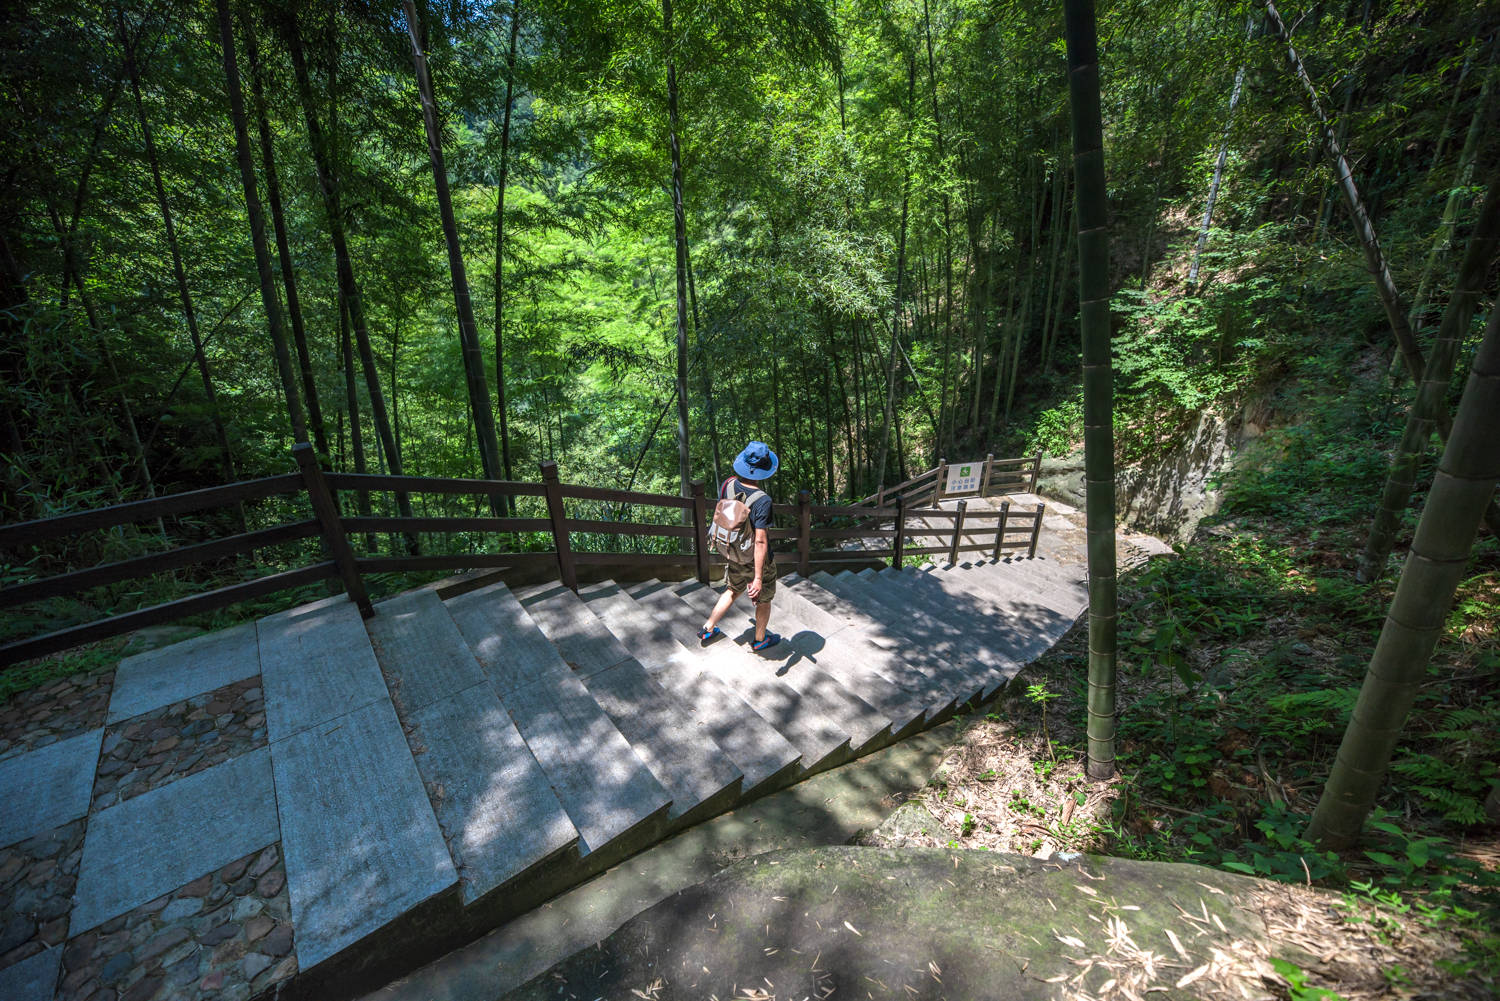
column 729, row 529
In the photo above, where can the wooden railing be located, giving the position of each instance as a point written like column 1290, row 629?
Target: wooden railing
column 319, row 491
column 999, row 476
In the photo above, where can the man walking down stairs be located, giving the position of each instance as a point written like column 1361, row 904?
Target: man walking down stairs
column 740, row 531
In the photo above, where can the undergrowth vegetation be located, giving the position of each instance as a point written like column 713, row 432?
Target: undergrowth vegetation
column 1240, row 661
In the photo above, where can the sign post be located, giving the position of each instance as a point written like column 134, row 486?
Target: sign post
column 964, row 478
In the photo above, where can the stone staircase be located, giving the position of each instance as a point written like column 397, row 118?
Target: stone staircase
column 462, row 757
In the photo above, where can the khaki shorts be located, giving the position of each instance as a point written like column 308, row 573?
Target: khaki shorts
column 737, row 578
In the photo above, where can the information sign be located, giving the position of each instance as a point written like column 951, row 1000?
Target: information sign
column 964, row 477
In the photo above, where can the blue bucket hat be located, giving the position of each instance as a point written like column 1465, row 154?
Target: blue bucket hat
column 756, row 462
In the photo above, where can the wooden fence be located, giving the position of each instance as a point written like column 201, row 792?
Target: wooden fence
column 889, row 516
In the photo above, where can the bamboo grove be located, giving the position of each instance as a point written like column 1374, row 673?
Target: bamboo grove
column 843, row 227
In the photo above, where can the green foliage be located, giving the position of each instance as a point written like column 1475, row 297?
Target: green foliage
column 1298, row 988
column 1057, row 430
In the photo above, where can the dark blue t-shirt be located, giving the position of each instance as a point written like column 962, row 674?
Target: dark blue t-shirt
column 760, row 508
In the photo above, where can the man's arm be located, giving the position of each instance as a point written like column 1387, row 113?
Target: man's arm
column 762, row 549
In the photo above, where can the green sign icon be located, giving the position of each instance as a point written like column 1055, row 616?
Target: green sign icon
column 964, row 471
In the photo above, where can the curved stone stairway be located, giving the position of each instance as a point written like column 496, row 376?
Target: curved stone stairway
column 451, row 762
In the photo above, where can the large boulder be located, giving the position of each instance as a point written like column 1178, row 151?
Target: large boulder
column 850, row 922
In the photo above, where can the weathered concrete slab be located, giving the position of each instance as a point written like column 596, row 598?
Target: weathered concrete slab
column 48, row 786
column 865, row 641
column 420, row 650
column 959, row 665
column 991, row 647
column 951, row 663
column 832, row 646
column 497, row 810
column 316, row 663
column 1008, row 590
column 673, row 742
column 585, row 643
column 506, row 641
column 361, row 844
column 33, row 978
column 161, row 677
column 755, row 746
column 607, row 790
column 792, row 663
column 819, row 739
column 140, row 849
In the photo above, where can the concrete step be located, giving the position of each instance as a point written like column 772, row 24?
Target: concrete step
column 816, row 735
column 992, row 637
column 1010, row 602
column 964, row 677
column 1003, row 582
column 1001, row 636
column 496, row 808
column 583, row 641
column 362, row 846
column 891, row 654
column 610, row 795
column 757, row 748
column 838, row 649
column 617, row 805
column 792, row 662
column 1069, row 576
column 682, row 756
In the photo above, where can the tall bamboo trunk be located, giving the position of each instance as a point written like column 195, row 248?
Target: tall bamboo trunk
column 283, row 244
column 705, row 372
column 189, row 314
column 1463, row 177
column 890, row 372
column 504, row 179
column 1218, row 176
column 351, row 398
column 945, row 415
column 1098, row 405
column 468, row 330
column 268, row 297
column 679, row 234
column 1385, row 286
column 328, row 186
column 1432, row 393
column 71, row 266
column 1463, row 486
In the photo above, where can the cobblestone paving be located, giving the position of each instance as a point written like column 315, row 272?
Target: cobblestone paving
column 37, row 877
column 226, row 935
column 150, row 750
column 61, row 708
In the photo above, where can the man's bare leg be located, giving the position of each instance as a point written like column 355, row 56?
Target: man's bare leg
column 762, row 619
column 720, row 610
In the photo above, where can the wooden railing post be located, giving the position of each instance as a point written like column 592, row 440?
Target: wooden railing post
column 937, row 487
column 553, row 488
column 958, row 531
column 700, row 533
column 804, row 533
column 1036, row 471
column 334, row 538
column 984, row 483
column 1000, row 530
column 900, row 540
column 1036, row 531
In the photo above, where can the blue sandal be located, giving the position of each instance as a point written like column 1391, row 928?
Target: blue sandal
column 704, row 635
column 771, row 640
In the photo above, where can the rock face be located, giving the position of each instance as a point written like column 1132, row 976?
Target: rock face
column 925, row 923
column 1169, row 494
